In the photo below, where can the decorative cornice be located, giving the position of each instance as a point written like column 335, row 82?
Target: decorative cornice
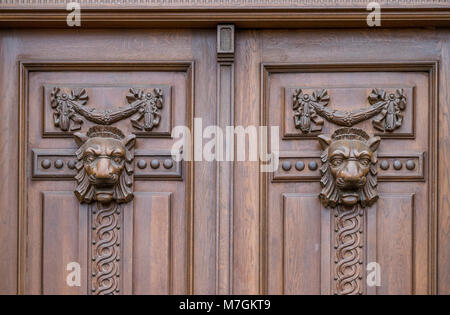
column 209, row 13
column 116, row 4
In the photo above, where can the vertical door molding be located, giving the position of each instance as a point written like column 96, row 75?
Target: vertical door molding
column 224, row 170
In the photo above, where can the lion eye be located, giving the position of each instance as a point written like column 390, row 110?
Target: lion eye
column 117, row 159
column 90, row 158
column 364, row 161
column 337, row 161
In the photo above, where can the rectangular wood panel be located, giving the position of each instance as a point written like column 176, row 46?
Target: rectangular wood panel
column 64, row 242
column 395, row 237
column 302, row 231
column 152, row 243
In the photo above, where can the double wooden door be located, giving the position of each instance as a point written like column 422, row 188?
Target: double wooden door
column 220, row 227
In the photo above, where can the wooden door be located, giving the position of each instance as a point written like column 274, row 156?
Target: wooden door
column 126, row 222
column 325, row 87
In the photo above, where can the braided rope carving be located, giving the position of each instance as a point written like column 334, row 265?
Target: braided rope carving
column 106, row 249
column 348, row 249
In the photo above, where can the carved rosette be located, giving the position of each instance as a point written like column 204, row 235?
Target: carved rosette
column 106, row 249
column 349, row 252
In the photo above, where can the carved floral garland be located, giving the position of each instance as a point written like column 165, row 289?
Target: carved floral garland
column 69, row 109
column 387, row 107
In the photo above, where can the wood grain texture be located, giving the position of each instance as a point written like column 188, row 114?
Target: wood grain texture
column 302, row 239
column 8, row 187
column 225, row 169
column 204, row 220
column 65, row 244
column 395, row 249
column 246, row 218
column 443, row 184
column 152, row 271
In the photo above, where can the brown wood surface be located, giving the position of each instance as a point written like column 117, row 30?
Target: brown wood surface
column 226, row 228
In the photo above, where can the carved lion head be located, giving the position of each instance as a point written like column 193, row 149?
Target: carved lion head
column 349, row 168
column 104, row 165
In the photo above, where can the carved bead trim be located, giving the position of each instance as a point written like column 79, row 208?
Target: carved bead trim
column 386, row 106
column 411, row 170
column 168, row 169
column 69, row 109
column 157, row 165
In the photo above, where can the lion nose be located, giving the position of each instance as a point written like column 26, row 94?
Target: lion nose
column 351, row 174
column 104, row 169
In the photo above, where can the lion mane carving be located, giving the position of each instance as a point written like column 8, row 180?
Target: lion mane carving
column 349, row 168
column 105, row 165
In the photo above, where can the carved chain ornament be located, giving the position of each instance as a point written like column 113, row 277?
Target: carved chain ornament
column 387, row 107
column 69, row 109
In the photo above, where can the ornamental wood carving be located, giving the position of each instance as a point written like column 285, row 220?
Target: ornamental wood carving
column 144, row 108
column 390, row 117
column 305, row 115
column 105, row 175
column 386, row 106
column 349, row 184
column 349, row 168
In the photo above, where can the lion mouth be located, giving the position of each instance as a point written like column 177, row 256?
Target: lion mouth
column 349, row 198
column 104, row 192
column 104, row 185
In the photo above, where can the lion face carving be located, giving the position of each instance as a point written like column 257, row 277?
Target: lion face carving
column 349, row 168
column 104, row 165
